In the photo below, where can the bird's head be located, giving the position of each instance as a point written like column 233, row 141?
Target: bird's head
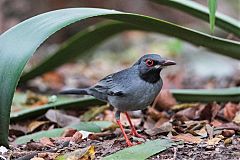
column 150, row 66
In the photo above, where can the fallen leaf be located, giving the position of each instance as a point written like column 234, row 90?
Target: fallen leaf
column 231, row 126
column 36, row 158
column 93, row 112
column 213, row 141
column 237, row 118
column 216, row 123
column 164, row 128
column 61, row 118
column 164, row 100
column 209, row 111
column 48, row 155
column 34, row 99
column 182, row 106
column 69, row 132
column 230, row 111
column 187, row 138
column 34, row 145
column 87, row 153
column 228, row 133
column 35, row 124
column 46, row 141
column 227, row 141
column 189, row 113
column 154, row 114
column 53, row 80
column 17, row 130
column 77, row 137
column 209, row 131
column 202, row 132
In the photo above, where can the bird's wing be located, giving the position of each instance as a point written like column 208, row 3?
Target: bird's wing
column 107, row 87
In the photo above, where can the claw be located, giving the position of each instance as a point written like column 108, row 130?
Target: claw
column 133, row 130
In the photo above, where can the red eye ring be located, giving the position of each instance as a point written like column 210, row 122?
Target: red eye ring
column 149, row 62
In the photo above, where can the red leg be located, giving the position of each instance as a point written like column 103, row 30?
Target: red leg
column 129, row 143
column 133, row 130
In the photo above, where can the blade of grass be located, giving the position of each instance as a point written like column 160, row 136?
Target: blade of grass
column 195, row 9
column 94, row 126
column 88, row 40
column 212, row 5
column 61, row 103
column 19, row 43
column 207, row 95
column 141, row 151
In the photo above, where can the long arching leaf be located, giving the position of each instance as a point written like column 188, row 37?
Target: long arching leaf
column 87, row 39
column 195, row 9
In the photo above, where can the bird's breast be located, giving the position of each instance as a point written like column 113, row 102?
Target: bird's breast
column 138, row 96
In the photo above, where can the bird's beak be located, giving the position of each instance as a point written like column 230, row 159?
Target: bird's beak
column 165, row 64
column 168, row 63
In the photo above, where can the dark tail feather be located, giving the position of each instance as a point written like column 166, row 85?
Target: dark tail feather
column 75, row 91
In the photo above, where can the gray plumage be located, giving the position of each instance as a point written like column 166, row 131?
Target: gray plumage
column 131, row 89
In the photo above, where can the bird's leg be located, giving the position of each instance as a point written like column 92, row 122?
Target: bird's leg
column 133, row 130
column 117, row 116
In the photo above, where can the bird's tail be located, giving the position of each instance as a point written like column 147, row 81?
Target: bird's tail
column 75, row 91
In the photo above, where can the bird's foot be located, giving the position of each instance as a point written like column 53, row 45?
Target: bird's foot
column 129, row 143
column 136, row 134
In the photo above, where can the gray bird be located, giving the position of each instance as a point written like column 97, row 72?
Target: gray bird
column 131, row 89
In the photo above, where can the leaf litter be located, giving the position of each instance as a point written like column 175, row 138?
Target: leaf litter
column 207, row 131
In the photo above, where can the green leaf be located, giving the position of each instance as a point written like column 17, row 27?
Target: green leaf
column 88, row 40
column 142, row 151
column 19, row 43
column 207, row 95
column 63, row 102
column 212, row 5
column 96, row 126
column 195, row 9
column 77, row 46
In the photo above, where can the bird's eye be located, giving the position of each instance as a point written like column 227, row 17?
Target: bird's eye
column 149, row 62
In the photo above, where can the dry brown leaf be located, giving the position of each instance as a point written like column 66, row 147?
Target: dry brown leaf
column 164, row 128
column 161, row 121
column 182, row 106
column 165, row 100
column 154, row 114
column 48, row 155
column 69, row 132
column 227, row 141
column 190, row 113
column 61, row 118
column 46, row 141
column 149, row 123
column 237, row 118
column 209, row 131
column 53, row 80
column 77, row 137
column 34, row 99
column 187, row 138
column 209, row 111
column 216, row 123
column 35, row 124
column 202, row 132
column 213, row 141
column 87, row 153
column 230, row 111
column 228, row 133
column 36, row 158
